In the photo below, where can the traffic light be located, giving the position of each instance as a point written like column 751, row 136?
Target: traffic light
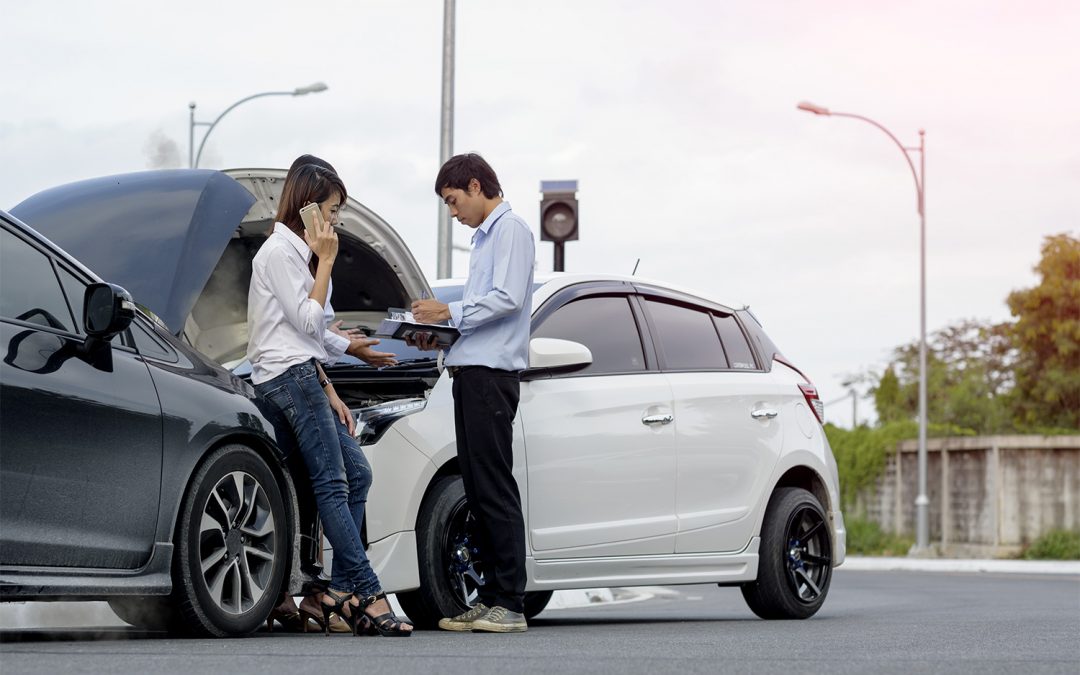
column 558, row 215
column 558, row 210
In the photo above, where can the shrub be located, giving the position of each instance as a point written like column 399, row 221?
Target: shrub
column 1055, row 545
column 866, row 538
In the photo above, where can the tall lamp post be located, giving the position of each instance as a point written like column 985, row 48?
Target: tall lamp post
column 444, row 254
column 922, row 502
column 193, row 157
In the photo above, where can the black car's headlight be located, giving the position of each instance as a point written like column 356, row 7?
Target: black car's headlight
column 373, row 421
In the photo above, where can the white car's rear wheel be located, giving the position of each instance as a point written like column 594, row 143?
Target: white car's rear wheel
column 795, row 558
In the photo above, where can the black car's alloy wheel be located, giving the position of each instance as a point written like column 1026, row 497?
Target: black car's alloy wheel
column 231, row 544
column 450, row 560
column 794, row 560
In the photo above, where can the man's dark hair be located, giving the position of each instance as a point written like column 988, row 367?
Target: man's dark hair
column 460, row 169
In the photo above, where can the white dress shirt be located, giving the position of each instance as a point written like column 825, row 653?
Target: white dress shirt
column 286, row 327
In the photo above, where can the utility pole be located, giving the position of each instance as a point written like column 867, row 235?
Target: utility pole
column 444, row 267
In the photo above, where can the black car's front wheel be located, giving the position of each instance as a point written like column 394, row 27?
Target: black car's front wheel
column 231, row 544
column 795, row 558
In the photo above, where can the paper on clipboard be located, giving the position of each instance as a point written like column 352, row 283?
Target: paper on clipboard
column 401, row 325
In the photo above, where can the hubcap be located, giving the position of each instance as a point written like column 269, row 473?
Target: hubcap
column 808, row 564
column 463, row 561
column 237, row 543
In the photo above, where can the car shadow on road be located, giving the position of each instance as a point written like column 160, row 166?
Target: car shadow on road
column 78, row 634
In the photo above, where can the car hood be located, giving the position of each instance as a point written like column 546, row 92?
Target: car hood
column 163, row 234
column 158, row 234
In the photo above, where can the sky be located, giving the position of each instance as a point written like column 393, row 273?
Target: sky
column 677, row 118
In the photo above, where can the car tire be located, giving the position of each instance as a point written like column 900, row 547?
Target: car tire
column 535, row 602
column 450, row 565
column 794, row 560
column 231, row 544
column 152, row 612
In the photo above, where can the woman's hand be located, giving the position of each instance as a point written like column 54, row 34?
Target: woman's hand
column 326, row 240
column 340, row 409
column 361, row 349
column 349, row 334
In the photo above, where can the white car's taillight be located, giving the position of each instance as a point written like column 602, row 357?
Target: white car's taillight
column 809, row 392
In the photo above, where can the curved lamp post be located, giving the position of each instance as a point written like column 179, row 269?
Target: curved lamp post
column 921, row 501
column 193, row 159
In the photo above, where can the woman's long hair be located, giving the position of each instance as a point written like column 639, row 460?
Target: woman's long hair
column 307, row 184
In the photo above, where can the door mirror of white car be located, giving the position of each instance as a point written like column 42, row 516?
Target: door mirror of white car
column 548, row 356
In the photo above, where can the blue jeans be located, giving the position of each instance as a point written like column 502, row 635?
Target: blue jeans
column 340, row 474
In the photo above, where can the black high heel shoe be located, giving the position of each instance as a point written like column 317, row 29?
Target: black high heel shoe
column 387, row 625
column 340, row 601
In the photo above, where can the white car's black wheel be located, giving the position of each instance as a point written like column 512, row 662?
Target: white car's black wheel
column 795, row 558
column 451, row 562
column 231, row 544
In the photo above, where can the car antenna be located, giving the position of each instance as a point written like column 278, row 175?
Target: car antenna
column 635, row 267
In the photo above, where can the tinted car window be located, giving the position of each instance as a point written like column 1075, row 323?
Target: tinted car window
column 687, row 338
column 739, row 354
column 76, row 294
column 147, row 344
column 29, row 289
column 603, row 324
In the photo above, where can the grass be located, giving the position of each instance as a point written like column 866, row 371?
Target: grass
column 1055, row 545
column 867, row 538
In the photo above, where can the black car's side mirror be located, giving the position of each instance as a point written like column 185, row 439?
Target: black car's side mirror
column 107, row 310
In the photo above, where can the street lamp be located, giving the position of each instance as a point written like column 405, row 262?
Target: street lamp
column 921, row 501
column 193, row 157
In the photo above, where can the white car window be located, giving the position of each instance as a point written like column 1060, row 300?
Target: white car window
column 687, row 339
column 604, row 324
column 739, row 355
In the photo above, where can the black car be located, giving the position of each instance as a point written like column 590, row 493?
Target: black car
column 136, row 465
column 132, row 468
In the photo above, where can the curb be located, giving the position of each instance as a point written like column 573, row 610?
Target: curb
column 874, row 564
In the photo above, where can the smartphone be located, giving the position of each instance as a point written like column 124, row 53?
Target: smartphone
column 311, row 215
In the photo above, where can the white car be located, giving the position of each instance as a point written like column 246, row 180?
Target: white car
column 660, row 439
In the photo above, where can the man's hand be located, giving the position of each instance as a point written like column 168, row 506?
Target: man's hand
column 341, row 410
column 425, row 341
column 361, row 348
column 430, row 311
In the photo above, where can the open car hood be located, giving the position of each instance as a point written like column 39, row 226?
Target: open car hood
column 158, row 234
column 181, row 241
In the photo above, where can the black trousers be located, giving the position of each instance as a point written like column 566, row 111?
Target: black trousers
column 485, row 403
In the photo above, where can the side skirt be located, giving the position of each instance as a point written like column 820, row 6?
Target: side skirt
column 650, row 570
column 60, row 583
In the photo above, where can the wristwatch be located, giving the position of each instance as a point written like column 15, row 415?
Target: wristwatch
column 323, row 382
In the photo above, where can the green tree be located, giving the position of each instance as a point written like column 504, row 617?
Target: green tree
column 969, row 376
column 1047, row 335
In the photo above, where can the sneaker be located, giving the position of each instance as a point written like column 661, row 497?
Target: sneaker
column 464, row 621
column 500, row 620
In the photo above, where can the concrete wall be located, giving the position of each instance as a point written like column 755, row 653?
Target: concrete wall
column 989, row 495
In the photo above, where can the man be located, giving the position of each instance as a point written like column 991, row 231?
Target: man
column 485, row 364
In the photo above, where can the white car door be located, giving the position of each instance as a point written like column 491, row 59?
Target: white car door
column 599, row 442
column 728, row 437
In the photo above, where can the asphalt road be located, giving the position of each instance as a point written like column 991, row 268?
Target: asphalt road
column 872, row 622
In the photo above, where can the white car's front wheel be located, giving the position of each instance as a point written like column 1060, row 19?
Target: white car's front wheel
column 450, row 559
column 795, row 558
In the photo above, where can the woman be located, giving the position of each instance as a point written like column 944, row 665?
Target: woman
column 290, row 287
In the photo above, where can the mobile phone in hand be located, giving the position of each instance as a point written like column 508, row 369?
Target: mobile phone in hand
column 311, row 215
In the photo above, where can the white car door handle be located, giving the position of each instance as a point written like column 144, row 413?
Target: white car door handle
column 658, row 419
column 764, row 413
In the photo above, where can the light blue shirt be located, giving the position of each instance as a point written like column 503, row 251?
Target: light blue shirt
column 496, row 305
